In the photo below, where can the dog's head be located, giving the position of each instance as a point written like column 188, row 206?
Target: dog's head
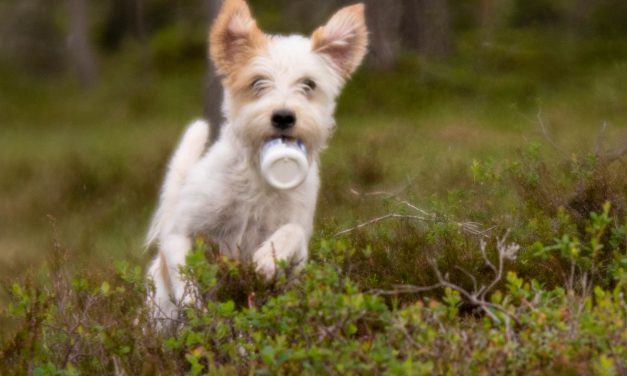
column 284, row 85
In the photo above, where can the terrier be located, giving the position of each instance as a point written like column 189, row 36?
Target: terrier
column 274, row 87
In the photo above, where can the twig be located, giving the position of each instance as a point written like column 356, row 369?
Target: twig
column 471, row 297
column 414, row 207
column 405, row 289
column 608, row 157
column 473, row 228
column 472, row 277
column 381, row 219
column 497, row 278
column 617, row 153
column 478, row 296
column 385, row 194
column 547, row 136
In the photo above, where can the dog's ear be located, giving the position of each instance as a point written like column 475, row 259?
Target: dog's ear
column 343, row 40
column 234, row 37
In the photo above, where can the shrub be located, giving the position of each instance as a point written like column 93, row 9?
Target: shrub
column 422, row 293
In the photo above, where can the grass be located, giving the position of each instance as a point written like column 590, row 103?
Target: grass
column 461, row 140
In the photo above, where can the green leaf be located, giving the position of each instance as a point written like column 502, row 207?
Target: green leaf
column 104, row 288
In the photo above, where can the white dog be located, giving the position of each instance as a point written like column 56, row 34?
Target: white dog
column 275, row 86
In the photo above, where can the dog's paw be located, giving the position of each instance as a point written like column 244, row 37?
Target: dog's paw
column 265, row 261
column 287, row 245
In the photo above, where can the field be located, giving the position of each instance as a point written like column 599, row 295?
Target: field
column 503, row 168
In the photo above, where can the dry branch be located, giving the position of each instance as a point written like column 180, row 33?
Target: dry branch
column 420, row 215
column 479, row 295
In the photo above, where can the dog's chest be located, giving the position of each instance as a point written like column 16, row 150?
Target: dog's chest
column 249, row 219
column 232, row 206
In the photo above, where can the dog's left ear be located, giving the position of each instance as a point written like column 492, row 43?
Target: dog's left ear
column 234, row 37
column 343, row 40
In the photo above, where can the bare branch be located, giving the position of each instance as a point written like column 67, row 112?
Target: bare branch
column 405, row 289
column 381, row 219
column 469, row 227
column 414, row 207
column 386, row 194
column 486, row 260
column 477, row 297
column 472, row 277
column 617, row 153
column 610, row 156
column 547, row 136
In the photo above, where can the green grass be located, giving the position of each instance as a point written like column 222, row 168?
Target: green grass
column 81, row 171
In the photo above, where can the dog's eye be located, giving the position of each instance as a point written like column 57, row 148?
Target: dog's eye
column 309, row 85
column 259, row 84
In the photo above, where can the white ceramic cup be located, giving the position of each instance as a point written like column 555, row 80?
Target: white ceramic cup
column 284, row 163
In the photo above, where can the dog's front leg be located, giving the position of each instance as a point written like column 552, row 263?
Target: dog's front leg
column 288, row 243
column 165, row 273
column 174, row 249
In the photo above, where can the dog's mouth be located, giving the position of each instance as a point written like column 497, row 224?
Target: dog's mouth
column 283, row 137
column 296, row 141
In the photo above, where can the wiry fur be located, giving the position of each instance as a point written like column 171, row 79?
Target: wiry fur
column 222, row 194
column 187, row 154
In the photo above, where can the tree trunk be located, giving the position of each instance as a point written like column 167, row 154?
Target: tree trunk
column 140, row 21
column 410, row 30
column 383, row 17
column 213, row 87
column 426, row 28
column 492, row 17
column 579, row 14
column 81, row 53
column 304, row 16
column 30, row 37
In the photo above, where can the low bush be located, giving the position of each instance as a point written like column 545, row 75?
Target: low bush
column 418, row 294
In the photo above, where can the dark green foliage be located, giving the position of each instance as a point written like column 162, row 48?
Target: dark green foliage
column 318, row 322
column 332, row 318
column 535, row 12
column 605, row 15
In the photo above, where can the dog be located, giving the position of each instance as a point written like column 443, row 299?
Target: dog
column 274, row 86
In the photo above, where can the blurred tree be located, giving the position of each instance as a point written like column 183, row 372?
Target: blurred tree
column 492, row 16
column 143, row 19
column 117, row 24
column 172, row 32
column 81, row 53
column 30, row 37
column 383, row 18
column 535, row 12
column 609, row 17
column 426, row 28
column 140, row 21
column 213, row 86
column 306, row 15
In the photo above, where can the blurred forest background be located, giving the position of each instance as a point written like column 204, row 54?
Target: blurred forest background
column 93, row 95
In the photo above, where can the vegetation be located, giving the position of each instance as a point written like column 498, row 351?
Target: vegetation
column 472, row 218
column 323, row 321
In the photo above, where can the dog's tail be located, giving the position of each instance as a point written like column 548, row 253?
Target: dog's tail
column 188, row 152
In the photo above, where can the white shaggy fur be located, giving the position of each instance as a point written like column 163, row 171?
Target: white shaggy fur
column 221, row 194
column 188, row 152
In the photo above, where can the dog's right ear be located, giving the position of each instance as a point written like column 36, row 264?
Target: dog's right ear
column 234, row 37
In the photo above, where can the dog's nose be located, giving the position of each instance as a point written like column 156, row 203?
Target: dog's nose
column 283, row 119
